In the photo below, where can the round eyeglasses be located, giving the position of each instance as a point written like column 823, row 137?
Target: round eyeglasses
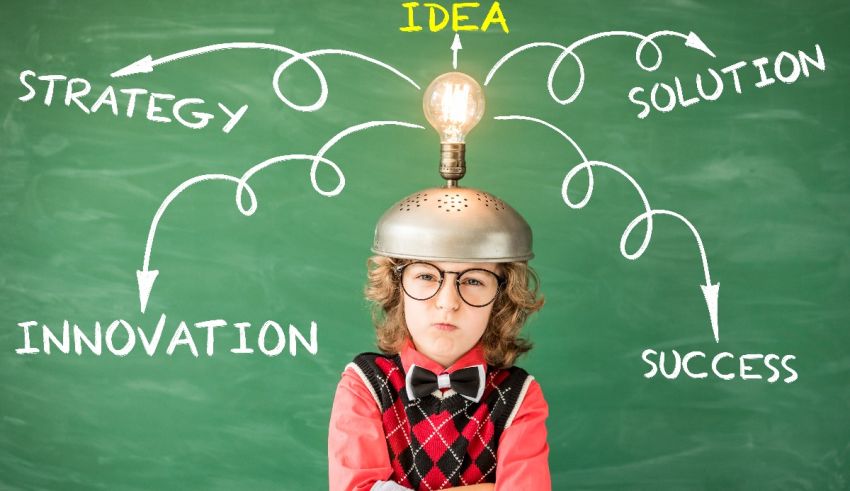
column 477, row 287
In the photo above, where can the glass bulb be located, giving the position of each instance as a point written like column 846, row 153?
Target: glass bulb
column 453, row 104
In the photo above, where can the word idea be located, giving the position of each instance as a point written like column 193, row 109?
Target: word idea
column 439, row 17
column 120, row 338
column 77, row 89
column 785, row 67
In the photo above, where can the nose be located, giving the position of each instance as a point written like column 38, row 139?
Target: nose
column 448, row 297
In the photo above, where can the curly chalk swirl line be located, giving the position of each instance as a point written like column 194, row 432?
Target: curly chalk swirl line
column 147, row 64
column 242, row 183
column 587, row 166
column 323, row 83
column 243, row 187
column 569, row 51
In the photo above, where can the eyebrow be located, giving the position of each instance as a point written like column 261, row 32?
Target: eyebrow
column 478, row 267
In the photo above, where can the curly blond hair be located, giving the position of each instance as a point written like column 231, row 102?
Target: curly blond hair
column 502, row 344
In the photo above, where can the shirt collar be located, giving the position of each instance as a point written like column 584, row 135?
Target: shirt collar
column 409, row 356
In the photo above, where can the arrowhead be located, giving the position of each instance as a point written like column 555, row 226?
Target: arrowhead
column 711, row 292
column 145, row 279
column 145, row 65
column 456, row 43
column 693, row 41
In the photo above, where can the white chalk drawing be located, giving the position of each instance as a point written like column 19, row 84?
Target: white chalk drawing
column 184, row 109
column 794, row 65
column 710, row 290
column 147, row 276
column 125, row 341
column 456, row 46
column 691, row 41
column 658, row 362
column 147, row 64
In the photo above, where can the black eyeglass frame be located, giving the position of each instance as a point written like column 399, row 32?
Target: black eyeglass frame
column 399, row 272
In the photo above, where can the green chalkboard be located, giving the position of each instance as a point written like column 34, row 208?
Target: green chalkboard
column 760, row 170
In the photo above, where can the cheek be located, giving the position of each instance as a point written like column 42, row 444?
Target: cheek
column 481, row 319
column 486, row 318
column 413, row 314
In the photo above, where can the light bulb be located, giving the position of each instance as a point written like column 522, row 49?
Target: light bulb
column 453, row 104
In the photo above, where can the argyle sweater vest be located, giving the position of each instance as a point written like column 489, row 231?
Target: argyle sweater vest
column 438, row 443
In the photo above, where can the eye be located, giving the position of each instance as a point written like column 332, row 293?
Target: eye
column 473, row 282
column 426, row 277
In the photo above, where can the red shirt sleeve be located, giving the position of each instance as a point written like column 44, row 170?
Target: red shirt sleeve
column 522, row 460
column 357, row 448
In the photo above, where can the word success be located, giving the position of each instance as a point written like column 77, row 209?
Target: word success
column 722, row 365
column 77, row 89
column 120, row 338
column 439, row 17
column 786, row 68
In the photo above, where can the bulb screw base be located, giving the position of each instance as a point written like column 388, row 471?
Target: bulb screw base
column 452, row 162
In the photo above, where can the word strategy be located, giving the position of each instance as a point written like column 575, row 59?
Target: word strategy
column 76, row 89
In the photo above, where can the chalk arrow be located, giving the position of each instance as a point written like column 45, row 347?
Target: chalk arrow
column 456, row 46
column 146, row 276
column 145, row 279
column 693, row 41
column 711, row 292
column 145, row 65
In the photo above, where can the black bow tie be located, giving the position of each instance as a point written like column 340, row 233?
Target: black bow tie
column 467, row 382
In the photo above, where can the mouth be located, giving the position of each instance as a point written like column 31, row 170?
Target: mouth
column 444, row 326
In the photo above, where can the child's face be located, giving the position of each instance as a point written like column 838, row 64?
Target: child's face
column 444, row 327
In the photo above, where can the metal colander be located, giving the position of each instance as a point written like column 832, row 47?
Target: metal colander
column 453, row 224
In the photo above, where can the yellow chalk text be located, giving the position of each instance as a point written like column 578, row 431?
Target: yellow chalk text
column 459, row 15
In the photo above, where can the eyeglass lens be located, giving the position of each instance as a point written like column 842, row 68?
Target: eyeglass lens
column 477, row 287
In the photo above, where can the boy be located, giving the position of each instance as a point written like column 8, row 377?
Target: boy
column 443, row 407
